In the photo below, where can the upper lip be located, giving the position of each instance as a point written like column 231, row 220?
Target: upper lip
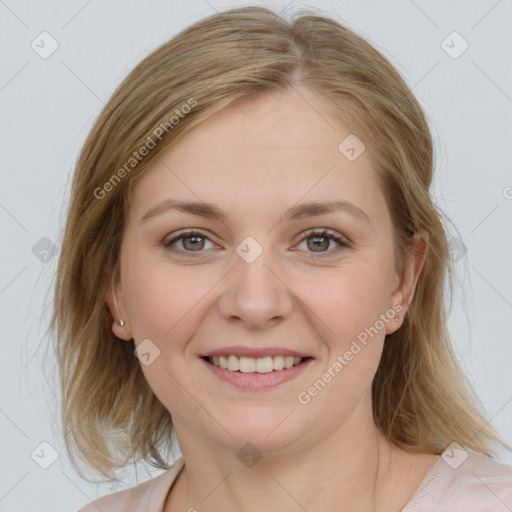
column 254, row 352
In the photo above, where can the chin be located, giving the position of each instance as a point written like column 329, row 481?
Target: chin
column 267, row 431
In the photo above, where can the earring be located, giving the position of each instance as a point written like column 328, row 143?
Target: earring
column 120, row 322
column 396, row 317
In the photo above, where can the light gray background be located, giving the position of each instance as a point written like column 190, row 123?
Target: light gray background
column 48, row 106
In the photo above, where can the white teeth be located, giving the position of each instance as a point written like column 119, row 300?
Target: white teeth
column 233, row 363
column 278, row 362
column 247, row 364
column 265, row 364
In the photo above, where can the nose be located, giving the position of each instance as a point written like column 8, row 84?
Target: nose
column 256, row 294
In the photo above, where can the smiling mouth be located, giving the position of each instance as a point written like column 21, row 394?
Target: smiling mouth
column 266, row 364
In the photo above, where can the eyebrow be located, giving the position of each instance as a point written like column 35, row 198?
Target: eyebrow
column 298, row 212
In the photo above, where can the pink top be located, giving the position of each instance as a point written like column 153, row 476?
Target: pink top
column 458, row 482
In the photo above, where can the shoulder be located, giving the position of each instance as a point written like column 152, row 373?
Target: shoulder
column 461, row 481
column 148, row 495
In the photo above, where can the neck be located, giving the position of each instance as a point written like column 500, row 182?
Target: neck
column 353, row 469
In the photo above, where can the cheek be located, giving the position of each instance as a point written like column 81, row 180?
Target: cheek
column 348, row 299
column 349, row 306
column 165, row 307
column 353, row 334
column 164, row 301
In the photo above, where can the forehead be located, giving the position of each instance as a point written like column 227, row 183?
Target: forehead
column 269, row 151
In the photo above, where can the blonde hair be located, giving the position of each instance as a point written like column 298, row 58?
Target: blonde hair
column 421, row 397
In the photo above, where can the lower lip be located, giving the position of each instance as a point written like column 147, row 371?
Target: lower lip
column 258, row 380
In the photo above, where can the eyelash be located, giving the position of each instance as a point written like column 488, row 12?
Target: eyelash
column 316, row 232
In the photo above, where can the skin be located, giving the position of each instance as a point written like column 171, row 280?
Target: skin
column 254, row 159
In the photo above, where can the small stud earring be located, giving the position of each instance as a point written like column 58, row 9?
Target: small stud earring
column 397, row 319
column 120, row 322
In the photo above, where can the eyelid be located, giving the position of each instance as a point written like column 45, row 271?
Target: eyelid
column 331, row 233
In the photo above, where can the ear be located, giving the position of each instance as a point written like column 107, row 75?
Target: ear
column 116, row 305
column 404, row 290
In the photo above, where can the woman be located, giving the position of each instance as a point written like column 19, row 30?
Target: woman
column 252, row 261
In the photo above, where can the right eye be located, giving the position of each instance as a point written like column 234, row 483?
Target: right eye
column 192, row 241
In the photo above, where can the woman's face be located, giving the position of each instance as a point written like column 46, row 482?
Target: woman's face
column 256, row 282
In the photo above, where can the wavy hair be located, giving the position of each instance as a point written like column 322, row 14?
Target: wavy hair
column 421, row 397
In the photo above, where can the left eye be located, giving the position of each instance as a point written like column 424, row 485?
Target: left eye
column 322, row 238
column 194, row 241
